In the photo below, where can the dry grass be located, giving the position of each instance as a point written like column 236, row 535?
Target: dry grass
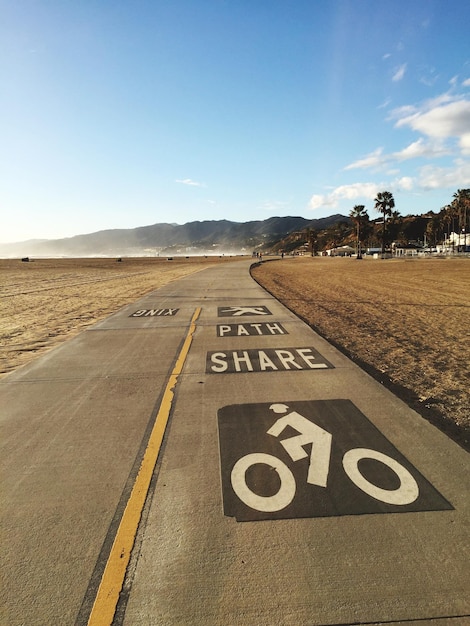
column 46, row 301
column 405, row 321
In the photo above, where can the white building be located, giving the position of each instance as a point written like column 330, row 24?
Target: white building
column 341, row 251
column 455, row 242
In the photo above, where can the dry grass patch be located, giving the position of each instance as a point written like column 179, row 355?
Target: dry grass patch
column 405, row 321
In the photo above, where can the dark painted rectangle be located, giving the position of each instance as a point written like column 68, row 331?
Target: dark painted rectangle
column 318, row 458
column 254, row 329
column 265, row 360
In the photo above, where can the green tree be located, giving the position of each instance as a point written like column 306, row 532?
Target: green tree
column 384, row 203
column 360, row 217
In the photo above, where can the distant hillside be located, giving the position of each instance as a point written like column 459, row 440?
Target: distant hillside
column 216, row 237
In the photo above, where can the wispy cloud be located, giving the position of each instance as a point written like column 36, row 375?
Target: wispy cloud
column 445, row 177
column 384, row 104
column 345, row 192
column 451, row 120
column 429, row 76
column 274, row 205
column 421, row 149
column 442, row 120
column 374, row 159
column 405, row 183
column 429, row 177
column 399, row 73
column 191, row 183
column 418, row 149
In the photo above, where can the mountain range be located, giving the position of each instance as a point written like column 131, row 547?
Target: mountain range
column 193, row 238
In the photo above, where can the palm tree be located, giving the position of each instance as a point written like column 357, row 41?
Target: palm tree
column 461, row 203
column 312, row 240
column 360, row 217
column 434, row 230
column 394, row 226
column 451, row 214
column 384, row 203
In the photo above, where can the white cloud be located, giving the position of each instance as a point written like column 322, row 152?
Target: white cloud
column 443, row 123
column 420, row 148
column 465, row 144
column 442, row 118
column 406, row 183
column 466, row 83
column 384, row 104
column 410, row 110
column 449, row 120
column 373, row 159
column 317, row 201
column 445, row 177
column 414, row 150
column 399, row 73
column 345, row 192
column 417, row 149
column 188, row 181
column 399, row 112
column 357, row 190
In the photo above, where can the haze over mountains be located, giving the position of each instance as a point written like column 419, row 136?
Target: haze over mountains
column 193, row 238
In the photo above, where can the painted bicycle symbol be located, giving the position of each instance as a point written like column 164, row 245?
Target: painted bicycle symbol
column 319, row 467
column 286, row 465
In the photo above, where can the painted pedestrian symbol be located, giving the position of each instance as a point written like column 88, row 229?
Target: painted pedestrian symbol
column 238, row 311
column 314, row 459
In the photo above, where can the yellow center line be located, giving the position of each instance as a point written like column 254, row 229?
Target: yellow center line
column 104, row 607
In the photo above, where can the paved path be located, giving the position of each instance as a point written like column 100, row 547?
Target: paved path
column 290, row 488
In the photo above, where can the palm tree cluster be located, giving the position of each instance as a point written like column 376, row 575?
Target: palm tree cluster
column 363, row 232
column 453, row 218
column 384, row 203
column 360, row 217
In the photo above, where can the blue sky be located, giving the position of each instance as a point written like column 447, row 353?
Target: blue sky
column 117, row 114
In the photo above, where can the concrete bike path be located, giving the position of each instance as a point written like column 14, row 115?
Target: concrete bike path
column 290, row 488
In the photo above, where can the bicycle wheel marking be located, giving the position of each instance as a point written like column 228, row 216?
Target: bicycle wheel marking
column 314, row 459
